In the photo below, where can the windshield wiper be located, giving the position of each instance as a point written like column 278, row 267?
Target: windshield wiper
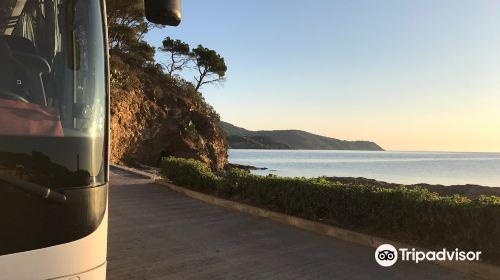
column 35, row 189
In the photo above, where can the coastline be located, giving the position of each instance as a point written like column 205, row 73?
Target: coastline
column 244, row 167
column 468, row 190
column 406, row 215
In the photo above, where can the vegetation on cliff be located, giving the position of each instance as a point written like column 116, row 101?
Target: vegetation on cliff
column 154, row 112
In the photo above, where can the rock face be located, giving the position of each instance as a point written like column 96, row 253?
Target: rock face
column 143, row 132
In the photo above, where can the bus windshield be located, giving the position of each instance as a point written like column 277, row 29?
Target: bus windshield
column 53, row 92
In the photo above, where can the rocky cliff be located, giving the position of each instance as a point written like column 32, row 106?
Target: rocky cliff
column 155, row 112
column 144, row 129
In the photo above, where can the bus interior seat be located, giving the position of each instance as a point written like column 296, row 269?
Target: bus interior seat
column 10, row 71
column 24, row 52
column 19, row 44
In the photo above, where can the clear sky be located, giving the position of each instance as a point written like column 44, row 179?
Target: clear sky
column 410, row 75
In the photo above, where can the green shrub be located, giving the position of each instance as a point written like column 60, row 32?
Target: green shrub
column 190, row 173
column 415, row 215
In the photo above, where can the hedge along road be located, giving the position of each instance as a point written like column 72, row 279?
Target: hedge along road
column 155, row 233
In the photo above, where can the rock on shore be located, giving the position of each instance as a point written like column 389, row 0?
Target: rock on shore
column 470, row 191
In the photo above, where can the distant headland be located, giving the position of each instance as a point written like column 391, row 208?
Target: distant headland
column 240, row 138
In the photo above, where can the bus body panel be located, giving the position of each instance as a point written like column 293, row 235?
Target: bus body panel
column 98, row 273
column 54, row 66
column 86, row 256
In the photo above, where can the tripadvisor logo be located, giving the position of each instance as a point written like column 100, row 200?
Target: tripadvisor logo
column 387, row 255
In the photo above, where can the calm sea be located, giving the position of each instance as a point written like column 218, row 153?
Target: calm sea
column 396, row 167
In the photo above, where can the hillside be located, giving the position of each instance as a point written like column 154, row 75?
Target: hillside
column 240, row 138
column 143, row 131
column 255, row 142
column 155, row 113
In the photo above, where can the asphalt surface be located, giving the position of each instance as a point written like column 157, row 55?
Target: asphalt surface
column 155, row 233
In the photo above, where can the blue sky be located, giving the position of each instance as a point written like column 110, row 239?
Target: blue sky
column 410, row 75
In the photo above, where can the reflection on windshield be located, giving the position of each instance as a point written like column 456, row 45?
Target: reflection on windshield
column 53, row 91
column 38, row 168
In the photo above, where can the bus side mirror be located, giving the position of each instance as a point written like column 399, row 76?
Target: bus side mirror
column 165, row 12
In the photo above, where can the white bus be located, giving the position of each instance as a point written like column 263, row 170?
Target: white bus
column 54, row 113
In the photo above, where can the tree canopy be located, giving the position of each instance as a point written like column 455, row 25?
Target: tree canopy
column 126, row 29
column 210, row 65
column 179, row 54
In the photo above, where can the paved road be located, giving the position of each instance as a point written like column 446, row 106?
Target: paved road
column 159, row 234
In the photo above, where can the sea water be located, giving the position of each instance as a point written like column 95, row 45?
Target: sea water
column 447, row 168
